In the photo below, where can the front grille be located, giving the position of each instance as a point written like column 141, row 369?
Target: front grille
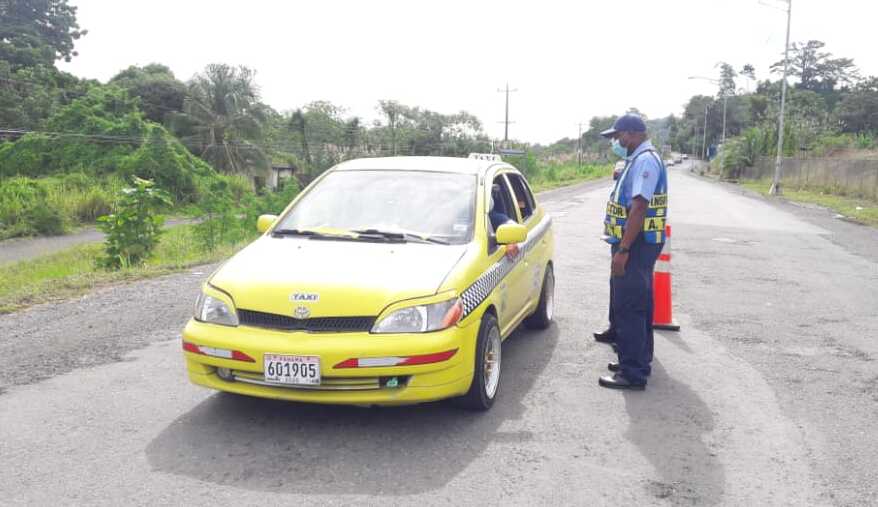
column 314, row 325
column 326, row 383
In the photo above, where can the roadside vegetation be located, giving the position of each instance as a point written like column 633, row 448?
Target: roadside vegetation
column 554, row 175
column 137, row 248
column 76, row 271
column 863, row 211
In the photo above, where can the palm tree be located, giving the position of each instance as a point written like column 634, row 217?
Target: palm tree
column 223, row 107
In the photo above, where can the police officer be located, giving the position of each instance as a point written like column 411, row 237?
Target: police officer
column 634, row 226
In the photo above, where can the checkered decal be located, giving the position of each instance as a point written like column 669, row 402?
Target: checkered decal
column 476, row 293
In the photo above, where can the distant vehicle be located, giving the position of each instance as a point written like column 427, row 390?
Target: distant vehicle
column 685, row 157
column 678, row 159
column 669, row 162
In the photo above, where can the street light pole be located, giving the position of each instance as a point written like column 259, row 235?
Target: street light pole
column 778, row 161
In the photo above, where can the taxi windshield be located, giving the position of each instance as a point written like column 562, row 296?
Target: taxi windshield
column 435, row 205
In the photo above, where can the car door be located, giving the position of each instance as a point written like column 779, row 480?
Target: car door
column 533, row 258
column 515, row 282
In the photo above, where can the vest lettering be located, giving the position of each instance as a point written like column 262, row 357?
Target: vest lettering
column 653, row 222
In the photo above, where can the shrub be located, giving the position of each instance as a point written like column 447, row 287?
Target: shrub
column 217, row 215
column 25, row 209
column 92, row 204
column 134, row 229
column 48, row 220
column 828, row 144
column 864, row 142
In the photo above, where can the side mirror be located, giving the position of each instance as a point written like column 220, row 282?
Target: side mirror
column 511, row 233
column 264, row 222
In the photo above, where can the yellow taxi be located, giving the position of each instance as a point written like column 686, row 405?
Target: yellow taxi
column 387, row 281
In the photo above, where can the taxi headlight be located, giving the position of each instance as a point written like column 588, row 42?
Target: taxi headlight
column 421, row 318
column 212, row 309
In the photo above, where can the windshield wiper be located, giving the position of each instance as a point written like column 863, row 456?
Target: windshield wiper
column 312, row 234
column 400, row 236
column 293, row 232
column 375, row 234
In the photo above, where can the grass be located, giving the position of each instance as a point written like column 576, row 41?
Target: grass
column 861, row 210
column 72, row 272
column 568, row 174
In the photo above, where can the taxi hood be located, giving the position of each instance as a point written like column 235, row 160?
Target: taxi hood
column 333, row 278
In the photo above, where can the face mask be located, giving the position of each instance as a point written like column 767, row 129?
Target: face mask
column 618, row 149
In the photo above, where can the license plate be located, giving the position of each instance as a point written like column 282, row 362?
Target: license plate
column 296, row 370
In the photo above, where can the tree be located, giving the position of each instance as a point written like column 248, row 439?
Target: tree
column 160, row 93
column 352, row 134
column 816, row 69
column 858, row 110
column 692, row 137
column 30, row 95
column 299, row 125
column 591, row 138
column 223, row 109
column 749, row 73
column 390, row 108
column 35, row 32
column 104, row 133
column 727, row 77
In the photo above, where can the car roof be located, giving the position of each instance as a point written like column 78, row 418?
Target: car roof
column 433, row 164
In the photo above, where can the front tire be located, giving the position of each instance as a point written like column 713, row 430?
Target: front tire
column 541, row 318
column 486, row 374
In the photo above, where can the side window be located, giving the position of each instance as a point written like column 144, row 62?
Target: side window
column 524, row 200
column 503, row 209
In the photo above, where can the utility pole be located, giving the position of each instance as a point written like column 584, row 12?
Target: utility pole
column 579, row 146
column 704, row 139
column 506, row 122
column 778, row 162
column 725, row 99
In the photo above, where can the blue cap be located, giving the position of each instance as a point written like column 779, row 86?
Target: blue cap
column 626, row 123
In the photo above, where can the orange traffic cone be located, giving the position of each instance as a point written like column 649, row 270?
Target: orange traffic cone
column 662, row 316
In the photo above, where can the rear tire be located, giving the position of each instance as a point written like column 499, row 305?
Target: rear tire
column 486, row 374
column 541, row 318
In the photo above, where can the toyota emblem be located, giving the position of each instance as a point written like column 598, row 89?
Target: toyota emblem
column 301, row 313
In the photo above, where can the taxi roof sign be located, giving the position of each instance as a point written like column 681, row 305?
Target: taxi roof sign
column 485, row 156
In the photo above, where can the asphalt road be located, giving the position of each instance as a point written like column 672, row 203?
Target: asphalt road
column 767, row 396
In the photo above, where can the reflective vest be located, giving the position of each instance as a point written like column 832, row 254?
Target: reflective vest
column 656, row 213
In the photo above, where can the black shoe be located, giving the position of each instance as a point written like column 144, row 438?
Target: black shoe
column 606, row 336
column 618, row 381
column 613, row 367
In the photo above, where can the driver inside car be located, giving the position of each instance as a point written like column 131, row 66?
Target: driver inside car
column 497, row 216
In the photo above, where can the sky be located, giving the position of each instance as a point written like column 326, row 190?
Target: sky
column 568, row 61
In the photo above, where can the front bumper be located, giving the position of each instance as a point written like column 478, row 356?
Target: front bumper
column 417, row 383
